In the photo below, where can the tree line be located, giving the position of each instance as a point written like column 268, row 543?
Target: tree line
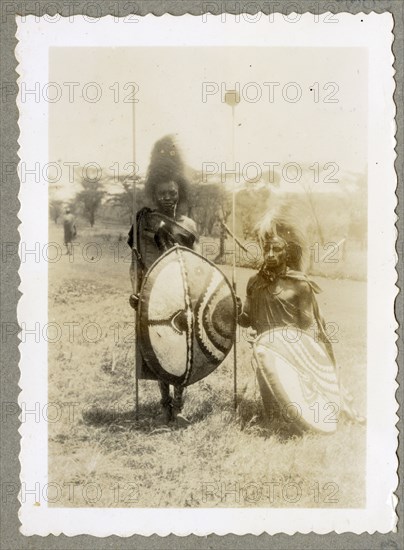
column 322, row 216
column 209, row 204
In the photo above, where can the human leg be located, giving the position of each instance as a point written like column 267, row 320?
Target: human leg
column 178, row 403
column 166, row 401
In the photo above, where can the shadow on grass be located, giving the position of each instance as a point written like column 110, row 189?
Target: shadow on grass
column 265, row 422
column 251, row 418
column 115, row 420
column 200, row 413
column 149, row 419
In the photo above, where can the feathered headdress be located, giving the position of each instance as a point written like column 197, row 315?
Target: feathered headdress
column 165, row 165
column 281, row 220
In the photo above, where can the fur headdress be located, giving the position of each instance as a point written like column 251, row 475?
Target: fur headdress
column 281, row 221
column 165, row 165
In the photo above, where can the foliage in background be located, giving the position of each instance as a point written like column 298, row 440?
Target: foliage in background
column 89, row 199
column 332, row 218
column 123, row 200
column 55, row 209
column 251, row 205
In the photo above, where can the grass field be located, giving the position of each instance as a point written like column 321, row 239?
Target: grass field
column 101, row 457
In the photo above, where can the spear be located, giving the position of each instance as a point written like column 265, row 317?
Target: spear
column 232, row 98
column 135, row 262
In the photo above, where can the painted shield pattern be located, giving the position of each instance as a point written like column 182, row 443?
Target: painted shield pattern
column 297, row 372
column 186, row 317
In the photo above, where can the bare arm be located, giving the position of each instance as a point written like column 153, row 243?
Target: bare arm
column 244, row 316
column 306, row 314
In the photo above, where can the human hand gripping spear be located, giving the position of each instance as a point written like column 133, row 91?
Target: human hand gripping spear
column 232, row 98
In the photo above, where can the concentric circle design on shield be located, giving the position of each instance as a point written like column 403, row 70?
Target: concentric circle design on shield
column 215, row 319
column 187, row 317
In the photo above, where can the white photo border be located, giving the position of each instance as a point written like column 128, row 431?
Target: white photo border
column 35, row 38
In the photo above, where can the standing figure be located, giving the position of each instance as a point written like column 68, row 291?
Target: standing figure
column 70, row 231
column 158, row 230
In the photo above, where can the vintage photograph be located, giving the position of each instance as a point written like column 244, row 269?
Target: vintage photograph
column 207, row 271
column 242, row 286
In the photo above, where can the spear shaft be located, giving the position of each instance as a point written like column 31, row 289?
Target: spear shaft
column 135, row 261
column 234, row 260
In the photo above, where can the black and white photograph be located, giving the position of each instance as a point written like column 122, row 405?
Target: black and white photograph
column 205, row 272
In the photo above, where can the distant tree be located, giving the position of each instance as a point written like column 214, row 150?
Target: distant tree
column 123, row 200
column 55, row 210
column 208, row 205
column 314, row 210
column 251, row 204
column 90, row 198
column 223, row 212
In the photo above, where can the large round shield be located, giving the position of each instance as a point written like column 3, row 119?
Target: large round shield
column 186, row 317
column 296, row 371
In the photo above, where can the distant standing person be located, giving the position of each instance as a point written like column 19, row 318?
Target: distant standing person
column 70, row 231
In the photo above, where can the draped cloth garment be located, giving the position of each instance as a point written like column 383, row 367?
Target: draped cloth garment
column 157, row 233
column 267, row 309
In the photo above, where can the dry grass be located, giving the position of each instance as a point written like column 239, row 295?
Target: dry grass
column 223, row 458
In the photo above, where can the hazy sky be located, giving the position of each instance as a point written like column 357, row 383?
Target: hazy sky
column 170, row 82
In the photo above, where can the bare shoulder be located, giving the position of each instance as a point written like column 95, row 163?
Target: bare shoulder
column 303, row 287
column 251, row 283
column 299, row 281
